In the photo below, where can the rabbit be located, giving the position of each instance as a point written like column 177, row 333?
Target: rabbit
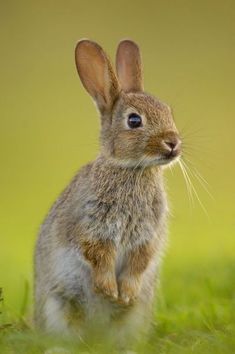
column 99, row 250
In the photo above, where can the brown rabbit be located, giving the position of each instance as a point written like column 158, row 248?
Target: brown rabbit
column 98, row 253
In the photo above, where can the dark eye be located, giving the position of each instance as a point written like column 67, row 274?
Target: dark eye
column 134, row 120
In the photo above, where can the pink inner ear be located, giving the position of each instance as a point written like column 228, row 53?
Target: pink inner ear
column 128, row 65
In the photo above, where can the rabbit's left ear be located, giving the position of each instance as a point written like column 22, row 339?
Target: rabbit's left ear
column 128, row 66
column 96, row 73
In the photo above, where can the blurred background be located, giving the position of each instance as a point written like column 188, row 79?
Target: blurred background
column 49, row 126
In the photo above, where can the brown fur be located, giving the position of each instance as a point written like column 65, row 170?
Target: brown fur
column 136, row 263
column 101, row 255
column 139, row 258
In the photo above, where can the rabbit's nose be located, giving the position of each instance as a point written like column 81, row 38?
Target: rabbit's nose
column 173, row 145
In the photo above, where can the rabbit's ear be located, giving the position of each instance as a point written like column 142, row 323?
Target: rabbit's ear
column 128, row 66
column 96, row 74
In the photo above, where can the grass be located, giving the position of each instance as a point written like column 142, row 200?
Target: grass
column 195, row 313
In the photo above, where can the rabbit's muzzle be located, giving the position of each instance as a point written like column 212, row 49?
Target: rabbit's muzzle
column 164, row 147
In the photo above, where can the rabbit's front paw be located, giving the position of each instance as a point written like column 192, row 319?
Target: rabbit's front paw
column 129, row 287
column 106, row 285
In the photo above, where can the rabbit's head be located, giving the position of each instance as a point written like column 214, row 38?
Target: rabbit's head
column 136, row 128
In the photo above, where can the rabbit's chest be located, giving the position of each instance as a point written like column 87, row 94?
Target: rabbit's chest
column 127, row 218
column 139, row 219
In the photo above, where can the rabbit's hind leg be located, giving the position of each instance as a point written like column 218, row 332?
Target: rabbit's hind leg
column 63, row 316
column 132, row 325
column 56, row 320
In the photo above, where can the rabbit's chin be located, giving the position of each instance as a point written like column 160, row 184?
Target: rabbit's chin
column 167, row 160
column 161, row 161
column 145, row 162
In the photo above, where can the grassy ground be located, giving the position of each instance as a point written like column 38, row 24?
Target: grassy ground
column 195, row 313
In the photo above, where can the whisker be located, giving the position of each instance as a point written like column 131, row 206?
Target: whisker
column 193, row 166
column 195, row 173
column 171, row 169
column 188, row 186
column 194, row 190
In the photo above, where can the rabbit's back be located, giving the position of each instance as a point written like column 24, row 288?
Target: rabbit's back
column 58, row 266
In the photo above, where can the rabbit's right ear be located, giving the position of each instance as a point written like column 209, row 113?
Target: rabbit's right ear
column 129, row 66
column 96, row 74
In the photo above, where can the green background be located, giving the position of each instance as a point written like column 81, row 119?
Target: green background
column 49, row 126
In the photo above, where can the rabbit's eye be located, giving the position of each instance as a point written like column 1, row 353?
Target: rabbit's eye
column 134, row 120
